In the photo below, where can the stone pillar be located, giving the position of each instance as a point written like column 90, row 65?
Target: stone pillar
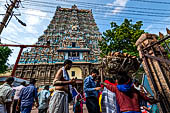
column 39, row 76
column 37, row 73
column 156, row 70
column 49, row 76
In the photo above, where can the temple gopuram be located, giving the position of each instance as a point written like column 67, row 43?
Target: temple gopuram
column 72, row 34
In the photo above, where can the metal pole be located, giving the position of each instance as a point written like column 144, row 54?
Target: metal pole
column 8, row 13
column 16, row 63
column 19, row 55
column 101, row 70
column 24, row 46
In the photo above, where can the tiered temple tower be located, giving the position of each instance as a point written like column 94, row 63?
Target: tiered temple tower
column 72, row 34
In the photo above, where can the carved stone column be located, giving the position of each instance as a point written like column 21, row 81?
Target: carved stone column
column 154, row 57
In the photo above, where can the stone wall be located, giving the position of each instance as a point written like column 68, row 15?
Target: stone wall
column 45, row 73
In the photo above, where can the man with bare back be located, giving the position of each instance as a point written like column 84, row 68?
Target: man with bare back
column 63, row 84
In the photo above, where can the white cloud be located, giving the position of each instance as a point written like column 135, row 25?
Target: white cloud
column 24, row 35
column 149, row 27
column 2, row 2
column 121, row 3
column 33, row 18
column 29, row 40
column 15, row 50
column 13, row 57
column 14, row 29
column 2, row 11
column 37, row 12
column 31, row 29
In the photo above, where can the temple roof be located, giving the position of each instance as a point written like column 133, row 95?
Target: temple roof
column 70, row 30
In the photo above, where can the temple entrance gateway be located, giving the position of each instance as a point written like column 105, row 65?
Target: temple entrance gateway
column 68, row 37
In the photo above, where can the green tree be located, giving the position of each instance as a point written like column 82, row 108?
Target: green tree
column 166, row 46
column 4, row 54
column 121, row 38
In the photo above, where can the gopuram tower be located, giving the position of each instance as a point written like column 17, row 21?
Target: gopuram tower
column 72, row 34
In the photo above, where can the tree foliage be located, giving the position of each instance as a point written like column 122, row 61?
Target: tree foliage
column 166, row 46
column 4, row 54
column 121, row 38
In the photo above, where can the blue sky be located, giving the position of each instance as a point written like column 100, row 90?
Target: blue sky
column 38, row 13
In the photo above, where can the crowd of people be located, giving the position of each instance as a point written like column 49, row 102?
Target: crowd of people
column 122, row 95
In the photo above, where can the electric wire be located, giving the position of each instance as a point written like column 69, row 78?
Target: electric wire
column 142, row 13
column 149, row 13
column 10, row 40
column 97, row 10
column 103, row 19
column 151, row 1
column 102, row 15
column 97, row 24
column 101, row 6
column 99, row 18
column 97, row 4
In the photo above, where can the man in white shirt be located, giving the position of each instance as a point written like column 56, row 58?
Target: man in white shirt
column 6, row 95
column 16, row 96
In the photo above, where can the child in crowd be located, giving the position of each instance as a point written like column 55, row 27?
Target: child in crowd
column 126, row 95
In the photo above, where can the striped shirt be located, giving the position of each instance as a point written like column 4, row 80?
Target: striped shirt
column 108, row 102
column 5, row 93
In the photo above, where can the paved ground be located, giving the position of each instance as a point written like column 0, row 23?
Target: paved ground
column 70, row 109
